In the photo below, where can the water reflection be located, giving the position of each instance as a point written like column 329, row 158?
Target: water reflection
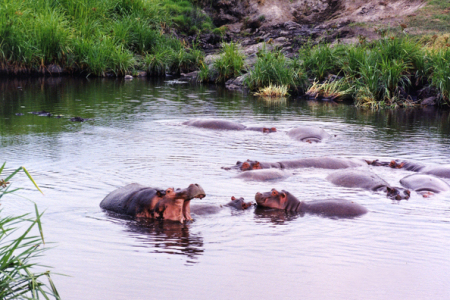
column 275, row 216
column 159, row 236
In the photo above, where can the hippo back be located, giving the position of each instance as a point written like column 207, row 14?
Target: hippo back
column 126, row 199
column 439, row 171
column 215, row 124
column 424, row 182
column 357, row 178
column 263, row 175
column 307, row 133
column 323, row 163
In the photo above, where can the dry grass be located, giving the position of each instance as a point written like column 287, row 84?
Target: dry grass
column 273, row 91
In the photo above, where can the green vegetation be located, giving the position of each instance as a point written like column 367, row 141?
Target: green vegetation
column 273, row 68
column 381, row 73
column 229, row 64
column 18, row 251
column 98, row 37
column 432, row 18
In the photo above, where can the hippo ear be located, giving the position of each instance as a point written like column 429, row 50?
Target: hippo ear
column 274, row 192
column 158, row 193
column 257, row 165
column 238, row 162
column 233, row 198
column 393, row 164
column 283, row 197
column 273, row 129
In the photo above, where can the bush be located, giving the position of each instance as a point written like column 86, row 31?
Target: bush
column 230, row 64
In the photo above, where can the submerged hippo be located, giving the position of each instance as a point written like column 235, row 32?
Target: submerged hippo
column 437, row 170
column 206, row 209
column 308, row 134
column 312, row 162
column 226, row 125
column 424, row 184
column 263, row 175
column 145, row 202
column 330, row 208
column 238, row 203
column 369, row 181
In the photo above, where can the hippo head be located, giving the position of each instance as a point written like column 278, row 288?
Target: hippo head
column 178, row 202
column 269, row 130
column 396, row 165
column 240, row 203
column 377, row 163
column 272, row 199
column 250, row 165
column 397, row 193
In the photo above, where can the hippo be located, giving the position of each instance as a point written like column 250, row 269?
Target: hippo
column 424, row 184
column 239, row 204
column 330, row 208
column 145, row 202
column 263, row 175
column 235, row 203
column 312, row 162
column 369, row 181
column 226, row 125
column 308, row 134
column 437, row 170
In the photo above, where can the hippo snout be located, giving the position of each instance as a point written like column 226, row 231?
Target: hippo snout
column 196, row 191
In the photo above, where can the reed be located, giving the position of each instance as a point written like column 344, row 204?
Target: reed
column 19, row 250
column 273, row 91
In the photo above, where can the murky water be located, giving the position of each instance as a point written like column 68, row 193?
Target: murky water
column 399, row 250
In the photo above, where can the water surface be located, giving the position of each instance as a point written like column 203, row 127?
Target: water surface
column 399, row 250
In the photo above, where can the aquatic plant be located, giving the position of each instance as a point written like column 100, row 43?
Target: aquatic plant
column 18, row 252
column 272, row 91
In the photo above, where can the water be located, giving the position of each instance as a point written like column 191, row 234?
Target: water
column 399, row 250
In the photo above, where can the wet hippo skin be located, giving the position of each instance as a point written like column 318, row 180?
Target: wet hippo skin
column 308, row 134
column 145, row 202
column 423, row 183
column 235, row 203
column 436, row 170
column 288, row 202
column 311, row 162
column 367, row 180
column 226, row 125
column 263, row 175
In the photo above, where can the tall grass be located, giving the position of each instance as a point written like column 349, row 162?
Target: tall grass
column 230, row 63
column 19, row 250
column 273, row 68
column 96, row 37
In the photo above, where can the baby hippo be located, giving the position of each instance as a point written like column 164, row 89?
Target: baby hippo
column 238, row 203
column 329, row 208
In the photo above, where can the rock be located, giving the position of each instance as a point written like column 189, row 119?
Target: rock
column 54, row 69
column 236, row 84
column 189, row 77
column 128, row 77
column 430, row 101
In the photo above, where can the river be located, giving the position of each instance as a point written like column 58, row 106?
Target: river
column 399, row 250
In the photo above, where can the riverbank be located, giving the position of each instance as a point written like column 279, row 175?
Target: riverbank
column 321, row 49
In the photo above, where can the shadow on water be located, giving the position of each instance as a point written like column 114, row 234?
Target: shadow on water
column 159, row 236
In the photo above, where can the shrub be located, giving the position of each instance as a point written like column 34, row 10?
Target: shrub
column 230, row 63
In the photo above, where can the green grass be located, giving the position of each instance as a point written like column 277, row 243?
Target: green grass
column 273, row 68
column 432, row 18
column 96, row 37
column 19, row 250
column 230, row 64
